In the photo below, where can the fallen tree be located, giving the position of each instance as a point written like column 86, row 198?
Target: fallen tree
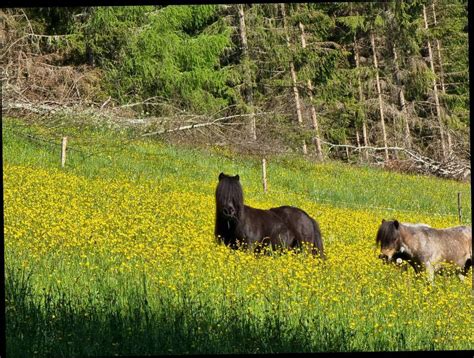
column 452, row 167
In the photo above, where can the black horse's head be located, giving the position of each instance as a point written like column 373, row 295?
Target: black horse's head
column 388, row 236
column 229, row 196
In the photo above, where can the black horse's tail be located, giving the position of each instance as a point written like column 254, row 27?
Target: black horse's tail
column 318, row 240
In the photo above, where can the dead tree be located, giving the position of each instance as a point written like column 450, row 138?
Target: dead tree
column 441, row 71
column 435, row 89
column 314, row 118
column 401, row 97
column 248, row 93
column 449, row 168
column 361, row 98
column 293, row 75
column 438, row 50
column 379, row 93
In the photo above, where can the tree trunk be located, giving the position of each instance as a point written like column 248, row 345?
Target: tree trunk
column 293, row 75
column 435, row 90
column 314, row 118
column 247, row 77
column 90, row 57
column 438, row 50
column 358, row 140
column 361, row 99
column 441, row 71
column 347, row 149
column 408, row 139
column 402, row 102
column 395, row 135
column 379, row 93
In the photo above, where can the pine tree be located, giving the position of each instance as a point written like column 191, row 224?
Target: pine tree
column 172, row 52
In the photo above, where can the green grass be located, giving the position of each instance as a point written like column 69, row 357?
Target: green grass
column 56, row 306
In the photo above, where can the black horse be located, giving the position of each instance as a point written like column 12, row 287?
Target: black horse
column 241, row 225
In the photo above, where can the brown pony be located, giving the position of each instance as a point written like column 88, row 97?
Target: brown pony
column 425, row 247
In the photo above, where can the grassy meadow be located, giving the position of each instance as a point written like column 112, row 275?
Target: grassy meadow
column 115, row 254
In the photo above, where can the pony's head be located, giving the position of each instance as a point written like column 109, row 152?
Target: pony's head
column 229, row 196
column 389, row 239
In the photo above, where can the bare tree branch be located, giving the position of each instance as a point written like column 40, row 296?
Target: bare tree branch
column 195, row 125
column 451, row 167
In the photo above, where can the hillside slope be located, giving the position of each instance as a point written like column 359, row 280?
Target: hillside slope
column 115, row 254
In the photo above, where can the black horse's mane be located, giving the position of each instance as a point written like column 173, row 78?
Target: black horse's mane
column 229, row 190
column 387, row 233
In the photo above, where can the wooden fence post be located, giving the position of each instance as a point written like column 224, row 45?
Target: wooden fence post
column 264, row 175
column 63, row 151
column 459, row 208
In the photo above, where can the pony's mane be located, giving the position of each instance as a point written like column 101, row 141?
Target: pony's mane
column 416, row 225
column 229, row 190
column 386, row 233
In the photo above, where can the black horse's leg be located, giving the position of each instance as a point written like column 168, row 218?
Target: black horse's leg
column 295, row 244
column 314, row 250
column 464, row 271
column 416, row 266
column 257, row 249
column 261, row 246
column 467, row 265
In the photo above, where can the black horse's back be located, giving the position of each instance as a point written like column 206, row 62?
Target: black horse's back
column 259, row 223
column 304, row 226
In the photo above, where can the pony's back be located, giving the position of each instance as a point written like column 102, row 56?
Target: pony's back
column 432, row 245
column 305, row 228
column 447, row 235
